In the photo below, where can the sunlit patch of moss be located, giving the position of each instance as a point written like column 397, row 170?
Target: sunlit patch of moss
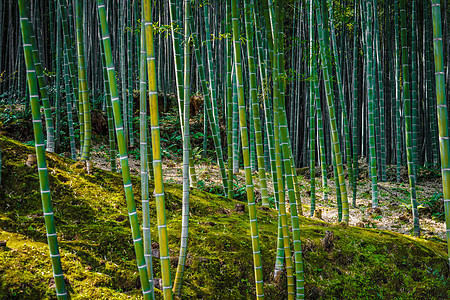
column 99, row 261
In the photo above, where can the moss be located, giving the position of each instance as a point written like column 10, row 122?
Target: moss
column 99, row 261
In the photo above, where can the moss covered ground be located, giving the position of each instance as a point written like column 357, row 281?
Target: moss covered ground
column 98, row 256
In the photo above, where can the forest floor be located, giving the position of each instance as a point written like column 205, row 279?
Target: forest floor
column 98, row 258
column 394, row 198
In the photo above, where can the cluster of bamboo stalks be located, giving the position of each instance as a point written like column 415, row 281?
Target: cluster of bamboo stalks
column 248, row 41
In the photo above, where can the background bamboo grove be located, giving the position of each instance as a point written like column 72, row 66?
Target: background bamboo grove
column 283, row 84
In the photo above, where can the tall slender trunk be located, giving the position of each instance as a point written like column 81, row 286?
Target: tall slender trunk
column 257, row 260
column 49, row 218
column 408, row 121
column 119, row 125
column 326, row 67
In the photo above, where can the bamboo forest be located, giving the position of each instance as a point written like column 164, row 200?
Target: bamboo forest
column 233, row 149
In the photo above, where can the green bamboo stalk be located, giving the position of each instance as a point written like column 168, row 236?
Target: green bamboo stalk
column 332, row 114
column 291, row 181
column 429, row 93
column 375, row 102
column 294, row 200
column 414, row 87
column 109, row 112
column 143, row 136
column 130, row 76
column 176, row 36
column 267, row 59
column 83, row 87
column 264, row 71
column 185, row 200
column 251, row 129
column 281, row 192
column 291, row 174
column 342, row 102
column 254, row 102
column 73, row 153
column 355, row 103
column 279, row 260
column 277, row 115
column 312, row 109
column 68, row 22
column 213, row 98
column 397, row 93
column 371, row 104
column 70, row 55
column 135, row 230
column 209, row 105
column 336, row 184
column 323, row 160
column 137, row 43
column 229, row 103
column 49, row 218
column 122, row 9
column 156, row 148
column 442, row 112
column 58, row 89
column 53, row 53
column 179, row 80
column 378, row 58
column 257, row 260
column 205, row 128
column 235, row 127
column 408, row 121
column 43, row 89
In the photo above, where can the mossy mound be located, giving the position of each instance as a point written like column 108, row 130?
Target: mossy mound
column 98, row 256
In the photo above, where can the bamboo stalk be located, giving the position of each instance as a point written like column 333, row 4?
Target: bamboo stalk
column 118, row 122
column 49, row 218
column 257, row 260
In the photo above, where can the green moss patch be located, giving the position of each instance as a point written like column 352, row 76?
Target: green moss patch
column 99, row 262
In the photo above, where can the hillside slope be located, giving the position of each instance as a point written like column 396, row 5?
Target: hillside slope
column 98, row 255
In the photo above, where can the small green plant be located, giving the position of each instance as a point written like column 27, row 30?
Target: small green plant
column 197, row 152
column 371, row 225
column 323, row 189
column 239, row 192
column 428, row 172
column 135, row 154
column 198, row 135
column 100, row 149
column 406, row 202
column 29, row 143
column 172, row 147
column 272, row 202
column 434, row 205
